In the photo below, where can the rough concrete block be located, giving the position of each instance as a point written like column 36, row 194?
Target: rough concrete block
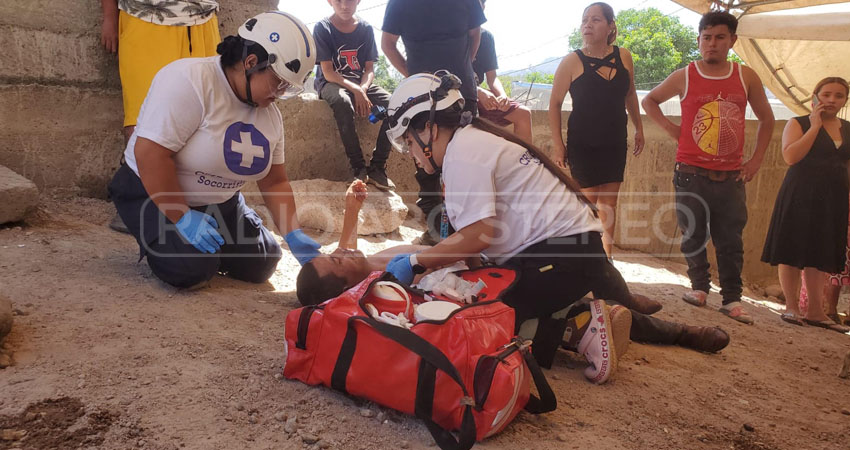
column 314, row 148
column 18, row 196
column 77, row 16
column 61, row 137
column 56, row 57
column 321, row 206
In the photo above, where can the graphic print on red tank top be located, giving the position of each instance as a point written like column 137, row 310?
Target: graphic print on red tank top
column 712, row 132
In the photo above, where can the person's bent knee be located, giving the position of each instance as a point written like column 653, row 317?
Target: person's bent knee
column 337, row 97
column 184, row 272
column 258, row 270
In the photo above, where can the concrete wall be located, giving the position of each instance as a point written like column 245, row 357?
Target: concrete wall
column 648, row 221
column 61, row 111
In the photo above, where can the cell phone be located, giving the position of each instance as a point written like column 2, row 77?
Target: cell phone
column 814, row 101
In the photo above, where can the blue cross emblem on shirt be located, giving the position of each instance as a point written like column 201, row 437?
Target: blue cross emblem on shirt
column 274, row 37
column 246, row 149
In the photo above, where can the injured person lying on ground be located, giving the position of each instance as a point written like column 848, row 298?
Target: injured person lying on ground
column 329, row 275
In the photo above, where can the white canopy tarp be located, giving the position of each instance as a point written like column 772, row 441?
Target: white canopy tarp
column 792, row 52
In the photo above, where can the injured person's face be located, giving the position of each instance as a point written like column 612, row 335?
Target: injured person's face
column 348, row 264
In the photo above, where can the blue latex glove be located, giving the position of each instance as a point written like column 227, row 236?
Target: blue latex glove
column 303, row 247
column 200, row 230
column 401, row 268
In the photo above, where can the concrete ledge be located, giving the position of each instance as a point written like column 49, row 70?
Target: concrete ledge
column 50, row 57
column 77, row 16
column 314, row 148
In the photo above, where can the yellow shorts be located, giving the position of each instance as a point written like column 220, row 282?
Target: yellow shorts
column 144, row 48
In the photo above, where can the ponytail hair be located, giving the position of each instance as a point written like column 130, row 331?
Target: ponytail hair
column 232, row 50
column 451, row 117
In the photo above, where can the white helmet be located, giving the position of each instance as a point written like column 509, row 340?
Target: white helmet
column 419, row 93
column 291, row 49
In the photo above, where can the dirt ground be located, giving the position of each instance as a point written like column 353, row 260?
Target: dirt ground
column 105, row 356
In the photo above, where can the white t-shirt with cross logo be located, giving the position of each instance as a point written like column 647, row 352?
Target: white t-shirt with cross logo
column 220, row 142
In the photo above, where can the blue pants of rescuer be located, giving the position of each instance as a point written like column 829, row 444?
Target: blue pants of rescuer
column 250, row 252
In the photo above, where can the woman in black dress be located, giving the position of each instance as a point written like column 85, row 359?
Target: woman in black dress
column 808, row 230
column 600, row 79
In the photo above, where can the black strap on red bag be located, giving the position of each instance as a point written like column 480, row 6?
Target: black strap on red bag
column 547, row 400
column 432, row 359
column 430, row 355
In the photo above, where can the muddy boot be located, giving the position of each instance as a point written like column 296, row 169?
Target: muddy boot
column 703, row 339
column 642, row 304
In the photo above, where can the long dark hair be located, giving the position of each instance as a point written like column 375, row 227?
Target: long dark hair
column 450, row 118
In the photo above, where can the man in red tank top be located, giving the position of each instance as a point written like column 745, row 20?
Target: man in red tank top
column 710, row 171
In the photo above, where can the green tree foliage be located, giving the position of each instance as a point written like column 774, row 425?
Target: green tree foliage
column 539, row 78
column 385, row 74
column 659, row 44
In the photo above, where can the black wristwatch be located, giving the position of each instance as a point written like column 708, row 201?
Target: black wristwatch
column 418, row 269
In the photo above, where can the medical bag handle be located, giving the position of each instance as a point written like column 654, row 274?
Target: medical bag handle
column 431, row 360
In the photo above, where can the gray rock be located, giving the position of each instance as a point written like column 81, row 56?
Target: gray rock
column 280, row 416
column 774, row 290
column 321, row 206
column 291, row 425
column 5, row 317
column 18, row 196
column 366, row 412
column 309, row 439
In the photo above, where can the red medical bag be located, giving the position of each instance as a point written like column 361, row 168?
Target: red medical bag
column 468, row 373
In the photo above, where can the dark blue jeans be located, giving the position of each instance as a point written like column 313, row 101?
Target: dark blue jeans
column 341, row 102
column 715, row 209
column 250, row 252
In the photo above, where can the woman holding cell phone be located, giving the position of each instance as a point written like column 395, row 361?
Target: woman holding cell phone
column 808, row 230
